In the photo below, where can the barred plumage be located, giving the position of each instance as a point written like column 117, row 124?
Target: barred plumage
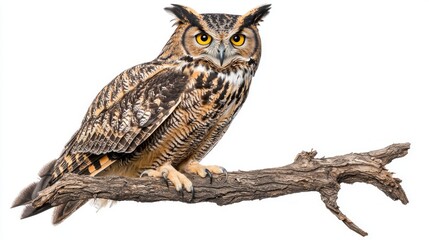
column 165, row 115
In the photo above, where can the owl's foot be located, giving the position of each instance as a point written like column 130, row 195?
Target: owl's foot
column 168, row 172
column 194, row 167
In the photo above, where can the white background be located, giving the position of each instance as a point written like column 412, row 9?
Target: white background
column 336, row 76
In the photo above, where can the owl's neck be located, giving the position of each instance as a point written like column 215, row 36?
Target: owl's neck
column 240, row 66
column 235, row 73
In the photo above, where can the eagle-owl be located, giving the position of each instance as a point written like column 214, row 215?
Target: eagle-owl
column 162, row 117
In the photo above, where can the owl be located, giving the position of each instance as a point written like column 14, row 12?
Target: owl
column 162, row 117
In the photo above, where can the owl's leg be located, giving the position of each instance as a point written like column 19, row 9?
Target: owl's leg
column 168, row 172
column 194, row 167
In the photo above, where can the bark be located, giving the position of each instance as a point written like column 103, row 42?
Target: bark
column 306, row 173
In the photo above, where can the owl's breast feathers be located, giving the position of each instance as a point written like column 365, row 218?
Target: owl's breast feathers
column 217, row 94
column 153, row 113
column 214, row 99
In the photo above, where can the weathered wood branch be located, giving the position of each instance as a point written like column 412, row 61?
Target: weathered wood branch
column 306, row 173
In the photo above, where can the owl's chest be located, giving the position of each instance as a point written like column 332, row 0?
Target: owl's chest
column 206, row 109
column 213, row 96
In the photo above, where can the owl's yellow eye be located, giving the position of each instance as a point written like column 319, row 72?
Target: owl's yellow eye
column 203, row 39
column 238, row 39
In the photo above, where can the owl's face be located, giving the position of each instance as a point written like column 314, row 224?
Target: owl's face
column 220, row 39
column 221, row 45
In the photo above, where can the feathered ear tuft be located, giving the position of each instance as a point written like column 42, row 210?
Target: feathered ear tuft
column 184, row 14
column 254, row 16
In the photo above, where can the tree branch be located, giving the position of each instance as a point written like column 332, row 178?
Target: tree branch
column 306, row 173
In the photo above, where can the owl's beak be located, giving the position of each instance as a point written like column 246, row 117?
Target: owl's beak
column 221, row 53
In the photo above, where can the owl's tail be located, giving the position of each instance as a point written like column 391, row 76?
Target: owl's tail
column 29, row 193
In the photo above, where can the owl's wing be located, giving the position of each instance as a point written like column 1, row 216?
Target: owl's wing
column 120, row 118
column 128, row 110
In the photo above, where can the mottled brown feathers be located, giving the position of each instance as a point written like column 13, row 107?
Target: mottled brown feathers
column 185, row 15
column 30, row 192
column 25, row 196
column 47, row 169
column 254, row 16
column 125, row 121
column 63, row 211
column 221, row 22
column 170, row 111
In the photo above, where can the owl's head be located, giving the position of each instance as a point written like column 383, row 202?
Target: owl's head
column 217, row 38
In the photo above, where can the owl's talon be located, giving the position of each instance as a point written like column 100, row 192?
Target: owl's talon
column 192, row 194
column 180, row 192
column 225, row 172
column 145, row 172
column 152, row 173
column 210, row 175
column 165, row 178
column 194, row 167
column 169, row 174
column 166, row 182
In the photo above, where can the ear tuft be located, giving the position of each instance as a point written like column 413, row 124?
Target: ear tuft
column 184, row 14
column 254, row 16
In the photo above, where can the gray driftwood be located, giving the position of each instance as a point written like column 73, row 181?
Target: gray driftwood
column 306, row 173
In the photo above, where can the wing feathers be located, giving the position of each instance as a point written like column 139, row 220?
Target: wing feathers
column 133, row 116
column 63, row 211
column 119, row 124
column 122, row 116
